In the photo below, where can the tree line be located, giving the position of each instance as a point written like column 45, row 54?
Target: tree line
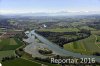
column 60, row 39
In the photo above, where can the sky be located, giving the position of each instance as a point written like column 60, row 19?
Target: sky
column 26, row 6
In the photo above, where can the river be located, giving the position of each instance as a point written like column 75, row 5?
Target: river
column 58, row 50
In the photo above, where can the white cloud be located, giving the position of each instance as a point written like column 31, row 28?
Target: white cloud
column 8, row 11
column 45, row 11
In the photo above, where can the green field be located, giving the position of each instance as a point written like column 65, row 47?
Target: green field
column 25, row 62
column 98, row 38
column 98, row 41
column 20, row 62
column 97, row 35
column 9, row 44
column 48, row 64
column 87, row 28
column 85, row 46
column 99, row 44
column 96, row 32
column 60, row 30
column 12, row 42
column 6, row 54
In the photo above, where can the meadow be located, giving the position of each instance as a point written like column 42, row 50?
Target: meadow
column 9, row 44
column 8, row 47
column 60, row 30
column 20, row 62
column 84, row 46
column 6, row 53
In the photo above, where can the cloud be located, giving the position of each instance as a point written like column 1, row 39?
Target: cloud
column 5, row 11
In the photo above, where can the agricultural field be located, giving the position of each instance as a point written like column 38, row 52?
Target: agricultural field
column 1, row 30
column 48, row 64
column 25, row 62
column 98, row 40
column 87, row 28
column 61, row 30
column 99, row 44
column 20, row 62
column 97, row 35
column 74, row 24
column 6, row 54
column 97, row 32
column 9, row 44
column 12, row 42
column 83, row 46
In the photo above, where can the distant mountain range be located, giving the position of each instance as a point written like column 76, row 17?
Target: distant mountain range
column 56, row 13
column 60, row 13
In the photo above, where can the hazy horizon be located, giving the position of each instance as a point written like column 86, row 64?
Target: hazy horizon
column 49, row 6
